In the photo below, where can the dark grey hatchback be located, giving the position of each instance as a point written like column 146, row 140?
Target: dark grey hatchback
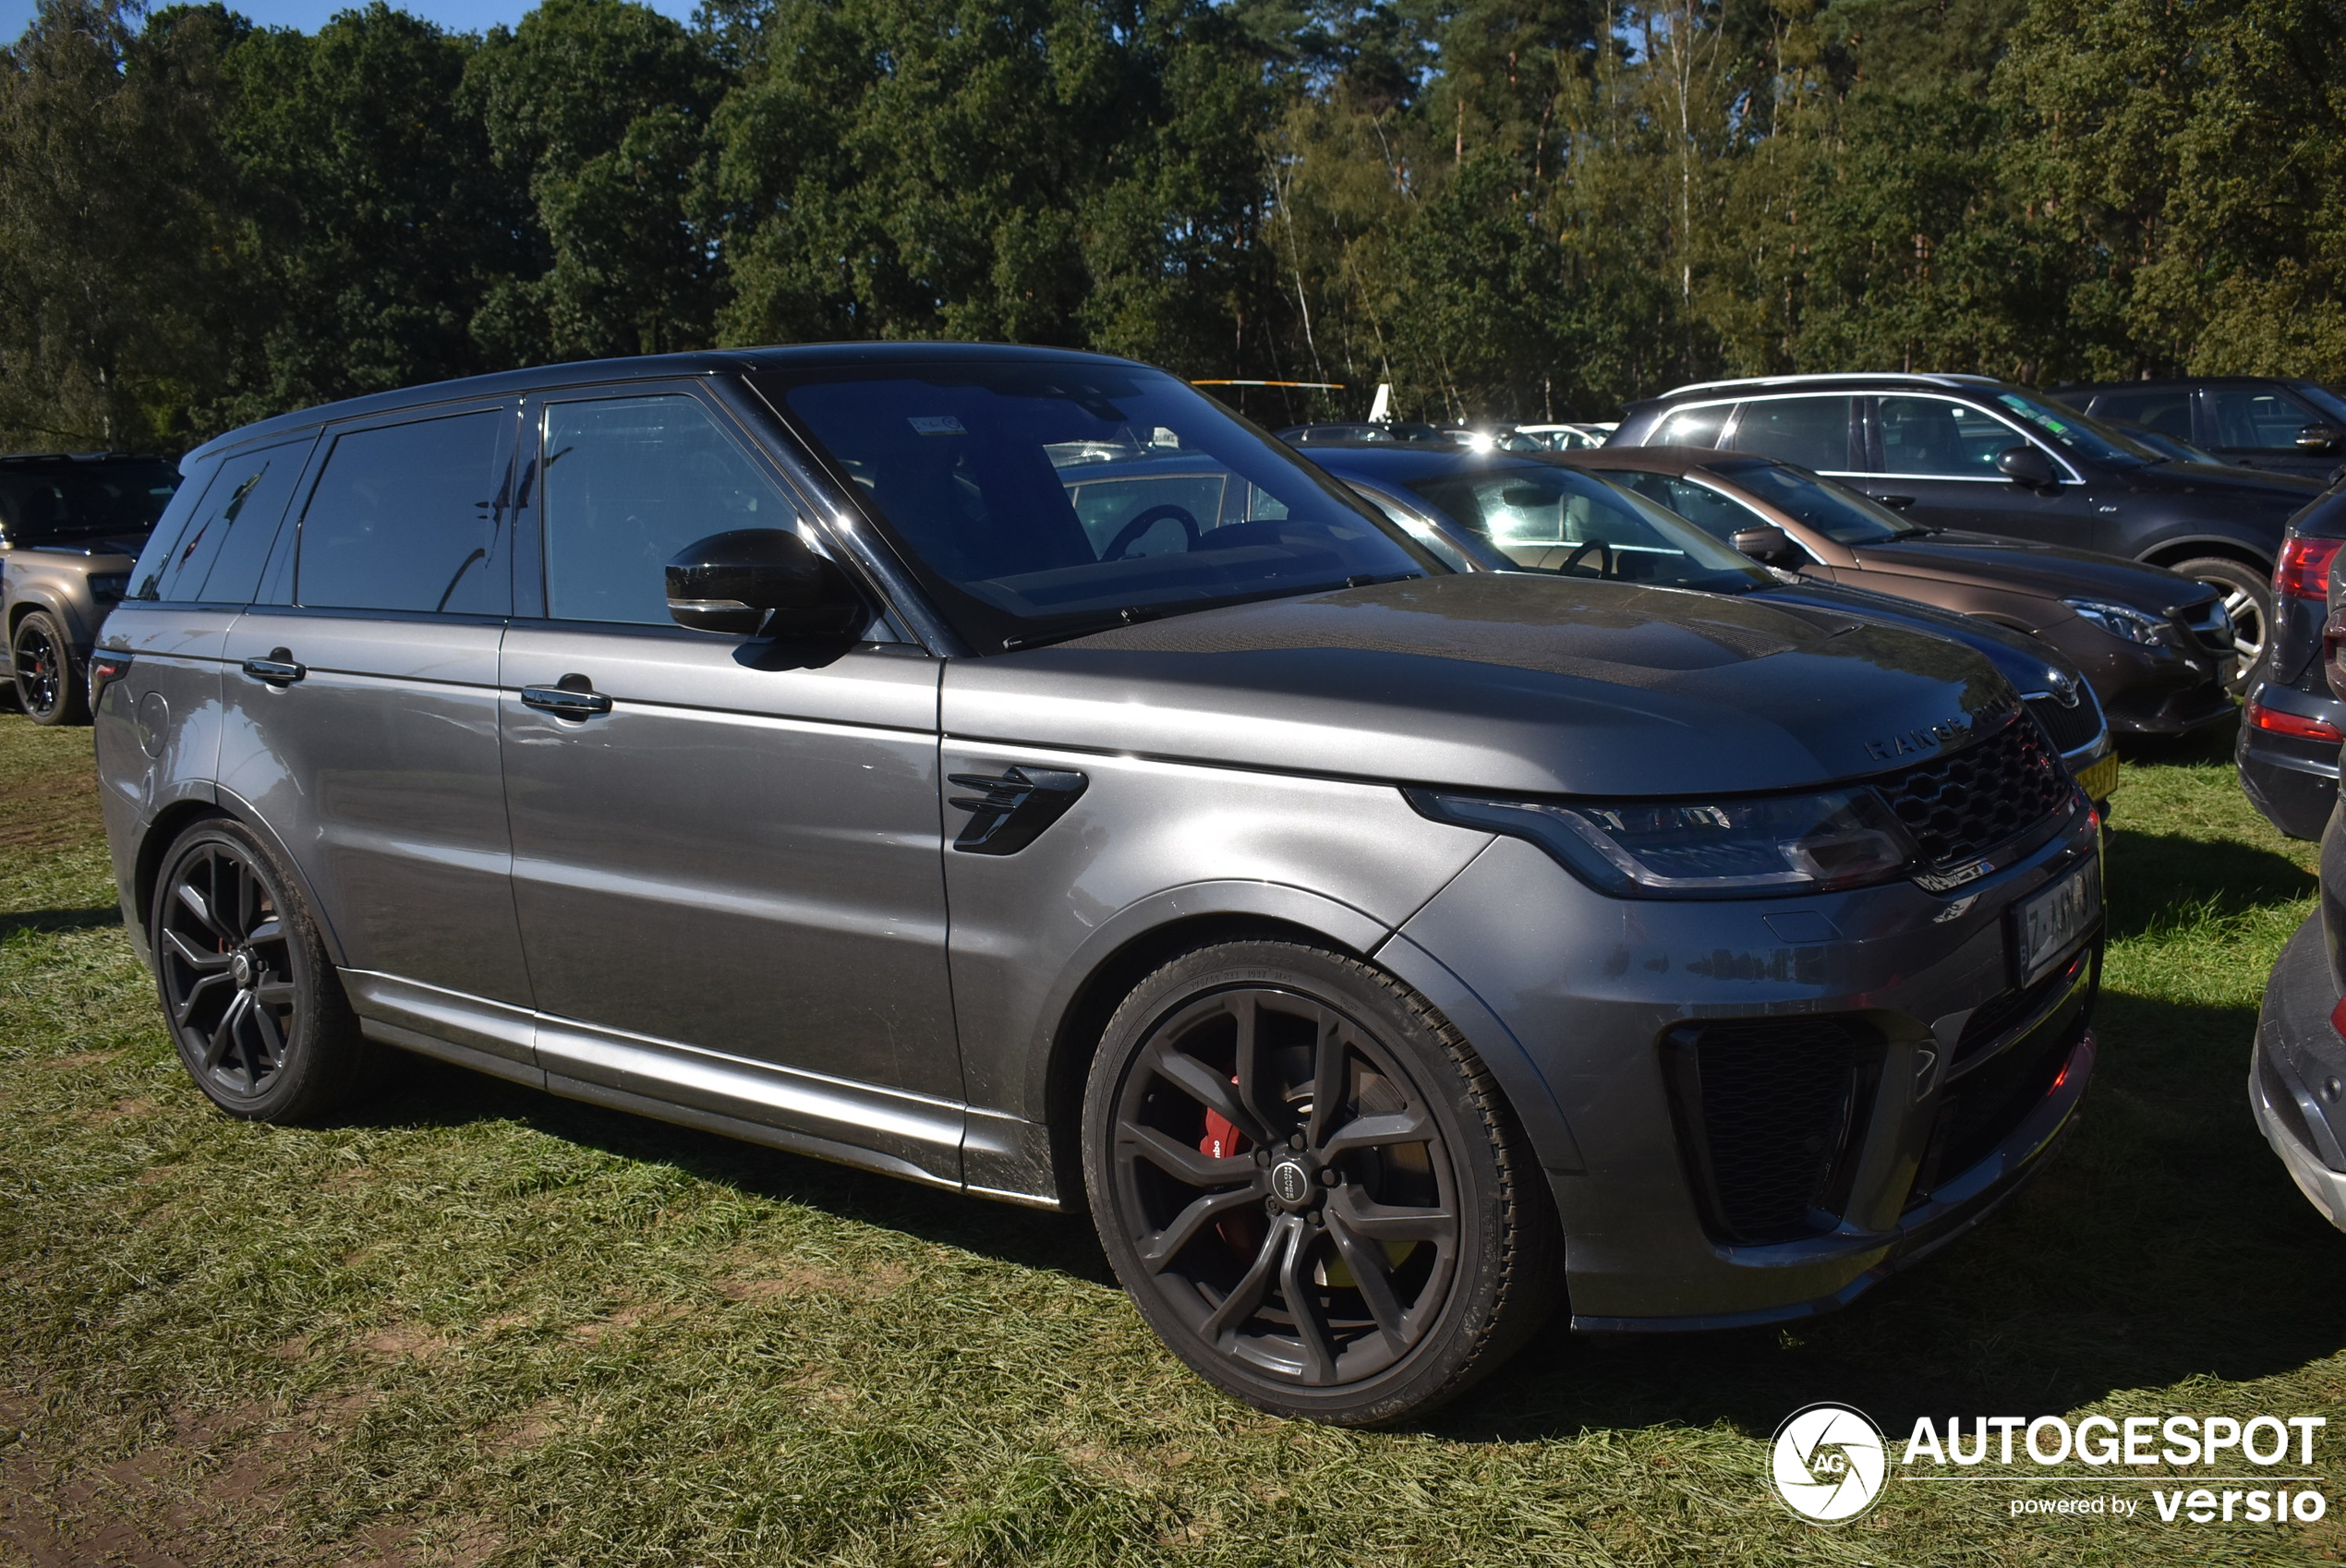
column 1005, row 769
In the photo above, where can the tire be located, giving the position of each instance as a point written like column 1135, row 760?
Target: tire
column 2248, row 597
column 1242, row 1217
column 48, row 678
column 248, row 993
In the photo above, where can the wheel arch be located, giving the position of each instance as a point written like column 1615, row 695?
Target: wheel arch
column 179, row 816
column 2175, row 552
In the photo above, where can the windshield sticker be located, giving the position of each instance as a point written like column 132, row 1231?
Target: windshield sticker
column 2035, row 416
column 937, row 425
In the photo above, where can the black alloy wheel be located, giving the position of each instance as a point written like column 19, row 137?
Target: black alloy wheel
column 253, row 1002
column 1312, row 1188
column 47, row 684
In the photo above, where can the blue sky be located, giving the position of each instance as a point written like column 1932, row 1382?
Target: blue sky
column 457, row 16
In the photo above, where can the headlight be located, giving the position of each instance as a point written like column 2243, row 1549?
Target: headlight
column 2121, row 621
column 1775, row 845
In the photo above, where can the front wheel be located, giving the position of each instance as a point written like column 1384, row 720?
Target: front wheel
column 2248, row 599
column 48, row 684
column 1311, row 1187
column 251, row 998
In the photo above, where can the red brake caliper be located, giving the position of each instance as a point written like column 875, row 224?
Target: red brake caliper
column 1241, row 1231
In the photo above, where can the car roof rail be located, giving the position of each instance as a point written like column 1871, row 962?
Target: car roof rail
column 1919, row 378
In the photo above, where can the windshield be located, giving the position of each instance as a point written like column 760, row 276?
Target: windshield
column 2081, row 435
column 64, row 501
column 1548, row 518
column 1038, row 499
column 2331, row 405
column 1835, row 511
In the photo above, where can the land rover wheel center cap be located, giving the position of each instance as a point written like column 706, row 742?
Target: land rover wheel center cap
column 1292, row 1184
column 246, row 972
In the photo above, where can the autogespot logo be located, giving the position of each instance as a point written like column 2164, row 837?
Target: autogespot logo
column 1828, row 1463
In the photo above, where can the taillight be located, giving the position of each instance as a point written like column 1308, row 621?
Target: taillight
column 2338, row 1017
column 2303, row 571
column 2292, row 724
column 105, row 669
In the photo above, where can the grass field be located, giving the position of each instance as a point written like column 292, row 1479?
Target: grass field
column 481, row 1325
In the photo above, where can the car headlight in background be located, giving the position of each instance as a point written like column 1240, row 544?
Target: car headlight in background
column 1774, row 845
column 2121, row 621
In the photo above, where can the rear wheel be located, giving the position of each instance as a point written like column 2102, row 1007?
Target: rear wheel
column 48, row 684
column 251, row 998
column 1311, row 1187
column 2248, row 599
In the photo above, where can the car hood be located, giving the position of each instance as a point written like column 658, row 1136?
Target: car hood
column 2280, row 492
column 2046, row 572
column 1500, row 682
column 2029, row 663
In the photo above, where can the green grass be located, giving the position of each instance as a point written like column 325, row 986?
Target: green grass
column 481, row 1325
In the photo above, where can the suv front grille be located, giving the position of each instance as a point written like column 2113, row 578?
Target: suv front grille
column 2070, row 725
column 1959, row 807
column 1770, row 1113
column 1979, row 1111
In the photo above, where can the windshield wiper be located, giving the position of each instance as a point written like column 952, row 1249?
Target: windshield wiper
column 1134, row 614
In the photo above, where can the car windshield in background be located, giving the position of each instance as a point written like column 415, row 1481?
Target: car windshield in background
column 1548, row 518
column 1838, row 512
column 65, row 501
column 2081, row 435
column 1040, row 500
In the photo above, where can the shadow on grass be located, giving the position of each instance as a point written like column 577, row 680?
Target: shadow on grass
column 2157, row 880
column 59, row 920
column 2215, row 743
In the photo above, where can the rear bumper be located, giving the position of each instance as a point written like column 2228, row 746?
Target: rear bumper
column 2298, row 1056
column 2293, row 781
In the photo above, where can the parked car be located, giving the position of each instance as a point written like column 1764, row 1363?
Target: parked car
column 1567, row 438
column 70, row 525
column 2297, row 1069
column 1376, row 950
column 1547, row 513
column 2172, row 448
column 1397, row 430
column 1969, row 452
column 2272, row 422
column 2157, row 646
column 2292, row 722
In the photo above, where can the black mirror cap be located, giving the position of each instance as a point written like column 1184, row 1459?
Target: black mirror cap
column 2025, row 466
column 764, row 580
column 1767, row 542
column 2319, row 438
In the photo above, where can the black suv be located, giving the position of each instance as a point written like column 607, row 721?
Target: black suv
column 2294, row 723
column 2285, row 426
column 1972, row 452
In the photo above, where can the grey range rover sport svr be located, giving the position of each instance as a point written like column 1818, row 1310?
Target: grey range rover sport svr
column 1006, row 769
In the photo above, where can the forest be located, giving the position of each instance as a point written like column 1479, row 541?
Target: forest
column 1508, row 208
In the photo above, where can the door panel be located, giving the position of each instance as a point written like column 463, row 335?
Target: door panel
column 1938, row 466
column 743, row 853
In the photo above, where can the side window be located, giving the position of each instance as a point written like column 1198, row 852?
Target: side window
column 2169, row 413
column 1692, row 426
column 410, row 517
column 1706, row 508
column 161, row 550
column 629, row 482
column 2246, row 416
column 230, row 525
column 1930, row 438
column 1810, row 431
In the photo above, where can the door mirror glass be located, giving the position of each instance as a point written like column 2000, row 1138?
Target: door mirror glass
column 1767, row 542
column 761, row 579
column 2025, row 466
column 2319, row 438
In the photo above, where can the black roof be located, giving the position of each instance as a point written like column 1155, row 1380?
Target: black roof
column 642, row 367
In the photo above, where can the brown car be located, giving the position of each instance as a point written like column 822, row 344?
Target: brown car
column 2157, row 645
column 70, row 529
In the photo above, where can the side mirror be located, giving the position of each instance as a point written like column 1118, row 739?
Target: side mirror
column 1765, row 543
column 2026, row 465
column 2319, row 438
column 761, row 579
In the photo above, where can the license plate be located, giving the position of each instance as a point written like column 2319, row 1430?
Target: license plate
column 2048, row 926
column 2100, row 778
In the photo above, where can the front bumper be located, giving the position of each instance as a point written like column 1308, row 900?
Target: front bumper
column 2294, row 782
column 2297, row 1059
column 2145, row 690
column 1959, row 1080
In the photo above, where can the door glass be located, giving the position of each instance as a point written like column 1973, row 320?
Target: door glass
column 630, row 481
column 2248, row 417
column 2169, row 413
column 1692, row 426
column 1810, row 431
column 410, row 517
column 1706, row 508
column 1929, row 437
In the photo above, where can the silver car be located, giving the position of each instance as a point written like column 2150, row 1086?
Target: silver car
column 1005, row 769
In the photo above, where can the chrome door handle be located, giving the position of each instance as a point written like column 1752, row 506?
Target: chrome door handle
column 278, row 669
column 565, row 701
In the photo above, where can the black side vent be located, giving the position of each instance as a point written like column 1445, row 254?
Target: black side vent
column 1771, row 1114
column 2070, row 727
column 1961, row 806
